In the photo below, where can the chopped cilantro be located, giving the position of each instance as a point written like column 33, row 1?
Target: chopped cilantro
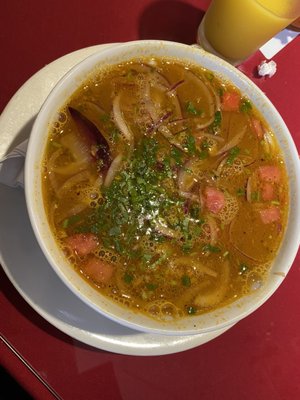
column 255, row 196
column 187, row 246
column 114, row 231
column 104, row 117
column 246, row 105
column 137, row 197
column 185, row 280
column 70, row 221
column 159, row 261
column 203, row 154
column 216, row 124
column 275, row 202
column 147, row 257
column 128, row 278
column 190, row 108
column 191, row 144
column 115, row 134
column 211, row 249
column 233, row 153
column 209, row 75
column 151, row 286
column 191, row 310
column 205, row 145
column 240, row 192
column 176, row 154
column 218, row 118
column 195, row 211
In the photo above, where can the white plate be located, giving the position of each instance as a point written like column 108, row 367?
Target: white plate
column 24, row 262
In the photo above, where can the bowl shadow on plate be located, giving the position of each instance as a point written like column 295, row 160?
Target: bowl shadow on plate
column 170, row 20
column 31, row 274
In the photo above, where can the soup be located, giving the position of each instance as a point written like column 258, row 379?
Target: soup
column 165, row 188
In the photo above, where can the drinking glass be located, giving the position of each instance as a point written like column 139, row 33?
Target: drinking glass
column 235, row 29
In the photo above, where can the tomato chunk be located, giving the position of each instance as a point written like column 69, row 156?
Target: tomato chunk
column 271, row 214
column 97, row 269
column 267, row 191
column 214, row 199
column 82, row 243
column 269, row 173
column 230, row 101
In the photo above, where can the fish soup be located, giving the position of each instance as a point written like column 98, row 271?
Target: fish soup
column 165, row 188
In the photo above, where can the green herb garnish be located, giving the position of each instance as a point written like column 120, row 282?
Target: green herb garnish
column 211, row 249
column 151, row 286
column 128, row 278
column 245, row 106
column 216, row 124
column 185, row 280
column 233, row 153
column 191, row 310
column 255, row 196
column 70, row 221
column 177, row 155
column 240, row 192
column 190, row 108
column 104, row 117
column 191, row 144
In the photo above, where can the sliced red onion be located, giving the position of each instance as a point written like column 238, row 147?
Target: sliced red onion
column 213, row 227
column 216, row 295
column 249, row 190
column 170, row 137
column 74, row 210
column 196, row 122
column 90, row 138
column 150, row 107
column 187, row 176
column 221, row 166
column 158, row 123
column 78, row 147
column 269, row 141
column 172, row 97
column 120, row 122
column 175, row 86
column 162, row 228
column 113, row 170
column 190, row 196
column 160, row 82
column 233, row 142
column 206, row 89
column 211, row 136
column 185, row 261
column 72, row 181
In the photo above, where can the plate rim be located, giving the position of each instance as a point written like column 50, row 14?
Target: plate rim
column 174, row 345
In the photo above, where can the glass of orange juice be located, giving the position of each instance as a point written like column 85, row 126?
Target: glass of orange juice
column 235, row 29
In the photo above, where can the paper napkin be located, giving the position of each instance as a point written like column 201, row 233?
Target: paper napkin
column 12, row 166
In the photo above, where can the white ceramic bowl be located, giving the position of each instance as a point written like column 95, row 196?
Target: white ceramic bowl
column 223, row 317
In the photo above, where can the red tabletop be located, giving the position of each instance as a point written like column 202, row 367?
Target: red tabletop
column 258, row 358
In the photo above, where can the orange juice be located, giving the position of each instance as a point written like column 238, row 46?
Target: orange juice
column 236, row 28
column 296, row 24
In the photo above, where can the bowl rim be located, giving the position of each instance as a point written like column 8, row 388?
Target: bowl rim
column 32, row 169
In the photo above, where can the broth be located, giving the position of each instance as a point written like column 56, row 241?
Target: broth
column 165, row 188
